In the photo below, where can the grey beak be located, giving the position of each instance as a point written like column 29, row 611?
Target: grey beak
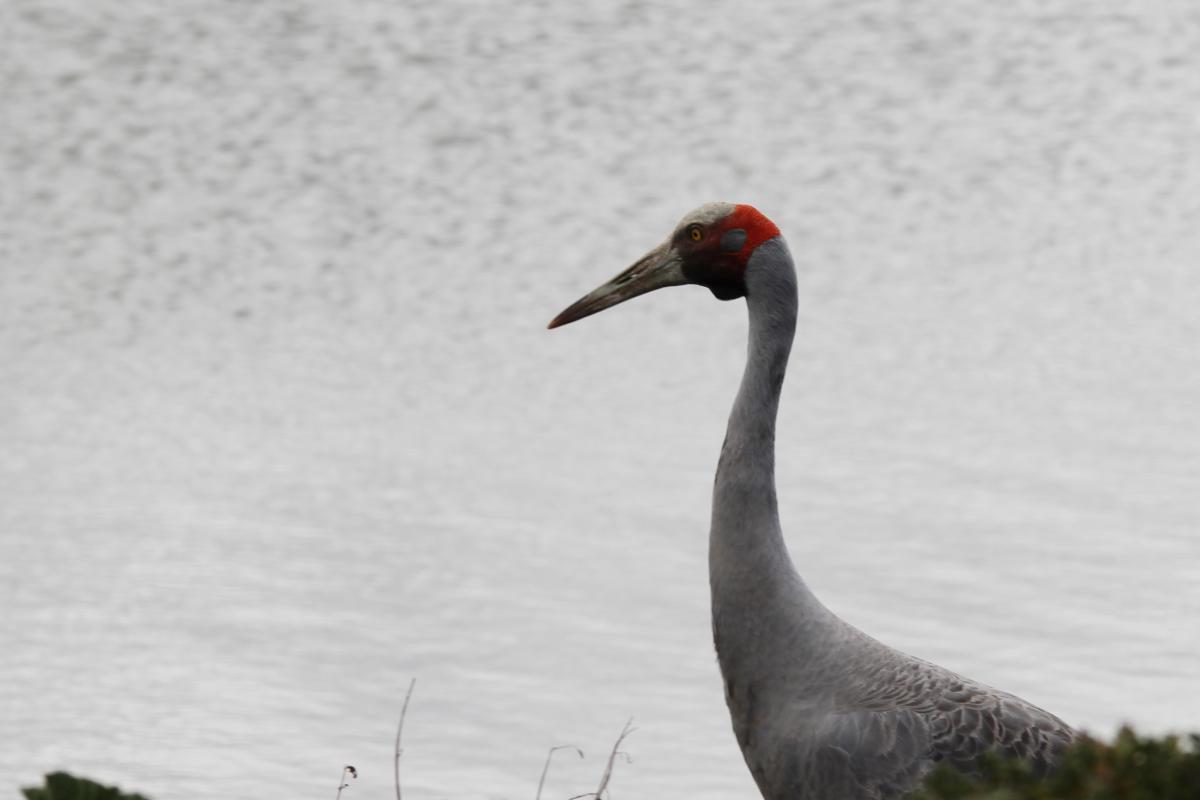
column 658, row 268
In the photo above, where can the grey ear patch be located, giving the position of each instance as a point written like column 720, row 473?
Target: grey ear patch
column 732, row 241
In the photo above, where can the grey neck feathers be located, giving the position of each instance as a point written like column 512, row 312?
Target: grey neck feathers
column 757, row 596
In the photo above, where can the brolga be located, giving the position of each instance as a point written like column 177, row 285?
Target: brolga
column 820, row 709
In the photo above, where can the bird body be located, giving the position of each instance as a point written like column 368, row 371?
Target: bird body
column 819, row 709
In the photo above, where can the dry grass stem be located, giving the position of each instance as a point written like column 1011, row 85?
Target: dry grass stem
column 346, row 770
column 546, row 768
column 612, row 758
column 399, row 730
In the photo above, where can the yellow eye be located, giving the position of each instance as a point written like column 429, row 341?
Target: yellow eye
column 696, row 234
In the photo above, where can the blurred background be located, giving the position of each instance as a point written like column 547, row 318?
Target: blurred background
column 281, row 427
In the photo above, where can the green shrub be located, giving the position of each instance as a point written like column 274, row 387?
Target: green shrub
column 1131, row 768
column 61, row 786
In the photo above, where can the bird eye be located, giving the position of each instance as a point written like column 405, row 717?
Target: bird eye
column 695, row 233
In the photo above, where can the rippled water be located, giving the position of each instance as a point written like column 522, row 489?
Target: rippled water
column 282, row 427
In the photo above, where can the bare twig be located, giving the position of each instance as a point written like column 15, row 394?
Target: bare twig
column 612, row 758
column 399, row 729
column 546, row 768
column 348, row 769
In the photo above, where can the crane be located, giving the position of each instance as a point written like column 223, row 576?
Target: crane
column 821, row 710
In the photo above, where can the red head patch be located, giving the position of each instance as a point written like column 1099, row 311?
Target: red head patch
column 716, row 249
column 757, row 227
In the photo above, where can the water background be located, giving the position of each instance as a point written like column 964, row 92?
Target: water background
column 281, row 427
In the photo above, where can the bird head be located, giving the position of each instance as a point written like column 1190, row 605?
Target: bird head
column 710, row 247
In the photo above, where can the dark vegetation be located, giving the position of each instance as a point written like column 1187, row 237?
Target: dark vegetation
column 61, row 786
column 1130, row 768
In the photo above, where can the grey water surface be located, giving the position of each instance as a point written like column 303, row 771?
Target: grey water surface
column 281, row 427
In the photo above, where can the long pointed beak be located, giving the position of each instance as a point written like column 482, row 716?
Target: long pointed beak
column 658, row 268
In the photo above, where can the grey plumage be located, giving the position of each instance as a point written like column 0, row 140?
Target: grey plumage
column 821, row 710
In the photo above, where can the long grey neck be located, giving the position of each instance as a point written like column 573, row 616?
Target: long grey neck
column 756, row 593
